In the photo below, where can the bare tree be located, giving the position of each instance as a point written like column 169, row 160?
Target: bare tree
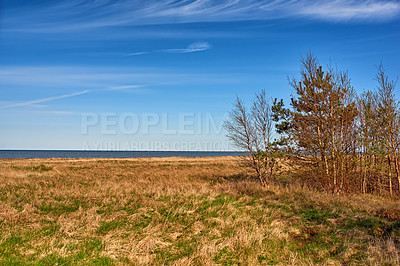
column 368, row 146
column 251, row 130
column 388, row 120
column 379, row 135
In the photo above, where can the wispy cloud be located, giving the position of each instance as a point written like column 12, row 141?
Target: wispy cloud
column 135, row 89
column 137, row 53
column 34, row 102
column 125, row 87
column 117, row 54
column 104, row 80
column 194, row 47
column 352, row 10
column 94, row 78
column 68, row 15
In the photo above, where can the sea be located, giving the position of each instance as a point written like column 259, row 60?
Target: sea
column 32, row 154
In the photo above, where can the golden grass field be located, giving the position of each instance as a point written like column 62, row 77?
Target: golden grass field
column 182, row 211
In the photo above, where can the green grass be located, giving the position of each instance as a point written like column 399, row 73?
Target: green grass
column 106, row 227
column 317, row 240
column 59, row 208
column 168, row 213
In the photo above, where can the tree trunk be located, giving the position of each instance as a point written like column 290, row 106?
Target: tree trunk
column 390, row 177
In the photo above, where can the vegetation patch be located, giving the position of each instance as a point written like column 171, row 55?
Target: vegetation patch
column 159, row 213
column 36, row 168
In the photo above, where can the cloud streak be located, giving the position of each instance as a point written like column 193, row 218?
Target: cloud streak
column 74, row 15
column 194, row 47
column 98, row 79
column 349, row 11
column 137, row 53
column 135, row 89
column 44, row 100
column 125, row 87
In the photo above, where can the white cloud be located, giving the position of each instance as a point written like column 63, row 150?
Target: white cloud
column 194, row 47
column 74, row 15
column 125, row 87
column 34, row 102
column 137, row 53
column 135, row 89
column 98, row 79
column 352, row 10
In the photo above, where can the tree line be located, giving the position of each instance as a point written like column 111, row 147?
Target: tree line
column 340, row 141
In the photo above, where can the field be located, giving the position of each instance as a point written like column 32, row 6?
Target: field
column 182, row 211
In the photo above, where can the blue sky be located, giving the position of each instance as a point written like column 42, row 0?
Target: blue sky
column 130, row 63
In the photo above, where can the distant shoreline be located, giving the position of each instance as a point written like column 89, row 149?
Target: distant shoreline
column 46, row 154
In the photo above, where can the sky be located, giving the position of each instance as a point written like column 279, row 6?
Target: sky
column 162, row 75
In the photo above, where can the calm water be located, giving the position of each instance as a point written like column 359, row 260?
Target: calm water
column 30, row 154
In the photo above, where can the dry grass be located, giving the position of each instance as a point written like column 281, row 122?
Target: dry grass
column 182, row 211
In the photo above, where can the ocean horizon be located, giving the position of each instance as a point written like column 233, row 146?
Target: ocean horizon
column 33, row 154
